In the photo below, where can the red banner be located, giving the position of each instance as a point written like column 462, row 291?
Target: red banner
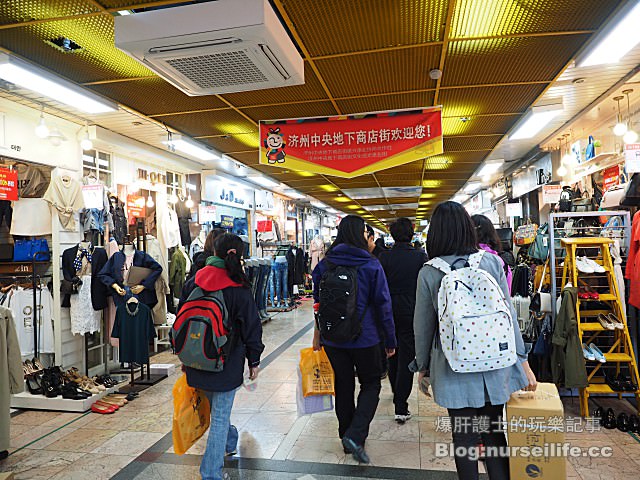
column 354, row 145
column 264, row 226
column 136, row 207
column 611, row 177
column 8, row 184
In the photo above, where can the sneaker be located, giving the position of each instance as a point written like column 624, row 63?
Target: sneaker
column 587, row 353
column 403, row 418
column 615, row 322
column 605, row 322
column 583, row 266
column 356, row 450
column 597, row 268
column 597, row 353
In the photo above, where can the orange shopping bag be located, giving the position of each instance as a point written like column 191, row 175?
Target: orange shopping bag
column 191, row 415
column 316, row 371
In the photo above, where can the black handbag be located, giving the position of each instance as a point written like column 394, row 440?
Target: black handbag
column 631, row 197
column 70, row 287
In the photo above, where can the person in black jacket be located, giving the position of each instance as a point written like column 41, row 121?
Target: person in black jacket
column 401, row 265
column 224, row 272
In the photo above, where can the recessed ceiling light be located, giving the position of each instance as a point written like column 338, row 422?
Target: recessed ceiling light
column 578, row 80
column 465, row 119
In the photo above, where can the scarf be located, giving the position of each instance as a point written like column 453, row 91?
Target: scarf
column 214, row 261
column 82, row 252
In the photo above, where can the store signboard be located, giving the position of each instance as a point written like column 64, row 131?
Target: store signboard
column 551, row 193
column 632, row 157
column 8, row 184
column 206, row 214
column 352, row 145
column 610, row 177
column 526, row 180
column 227, row 193
column 264, row 201
column 136, row 206
column 93, row 196
column 226, row 221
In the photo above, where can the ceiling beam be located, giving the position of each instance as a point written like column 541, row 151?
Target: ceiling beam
column 157, row 3
column 377, row 50
column 523, row 35
column 39, row 21
column 118, row 80
column 445, row 45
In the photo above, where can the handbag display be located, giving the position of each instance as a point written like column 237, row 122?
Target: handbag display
column 541, row 301
column 613, row 197
column 521, row 305
column 539, row 249
column 526, row 234
column 26, row 250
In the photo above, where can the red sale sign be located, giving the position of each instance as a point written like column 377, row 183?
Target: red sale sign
column 353, row 145
column 8, row 184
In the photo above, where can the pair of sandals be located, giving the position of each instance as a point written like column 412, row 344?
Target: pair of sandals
column 610, row 322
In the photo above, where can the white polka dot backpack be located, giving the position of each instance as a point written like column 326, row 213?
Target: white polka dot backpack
column 476, row 328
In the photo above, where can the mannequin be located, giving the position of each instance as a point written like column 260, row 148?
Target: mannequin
column 129, row 250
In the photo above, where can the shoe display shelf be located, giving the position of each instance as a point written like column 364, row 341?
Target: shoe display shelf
column 615, row 344
column 27, row 401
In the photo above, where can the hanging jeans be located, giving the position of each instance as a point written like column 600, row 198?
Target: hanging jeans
column 271, row 291
column 280, row 284
column 261, row 289
column 223, row 437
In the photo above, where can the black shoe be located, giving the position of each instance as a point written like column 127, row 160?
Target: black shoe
column 4, row 454
column 33, row 384
column 634, row 424
column 609, row 419
column 356, row 450
column 598, row 413
column 70, row 392
column 613, row 383
column 623, row 422
column 625, row 383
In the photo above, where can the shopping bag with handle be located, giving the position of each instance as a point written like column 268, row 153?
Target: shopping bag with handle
column 313, row 403
column 317, row 374
column 191, row 415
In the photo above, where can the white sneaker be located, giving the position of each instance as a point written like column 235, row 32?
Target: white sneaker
column 402, row 419
column 583, row 266
column 597, row 268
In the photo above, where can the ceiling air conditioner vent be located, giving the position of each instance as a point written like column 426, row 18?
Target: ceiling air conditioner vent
column 213, row 48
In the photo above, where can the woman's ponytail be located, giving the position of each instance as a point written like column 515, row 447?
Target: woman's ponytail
column 229, row 247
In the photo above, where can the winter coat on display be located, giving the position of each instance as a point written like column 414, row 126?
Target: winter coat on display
column 401, row 265
column 11, row 374
column 373, row 298
column 177, row 272
column 317, row 252
column 99, row 292
column 246, row 330
column 112, row 273
column 567, row 360
column 296, row 266
column 120, row 228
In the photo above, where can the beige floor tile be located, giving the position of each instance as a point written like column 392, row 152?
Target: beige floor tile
column 117, row 421
column 16, row 430
column 389, row 430
column 52, row 438
column 429, row 432
column 321, row 427
column 429, row 460
column 258, row 445
column 33, row 433
column 590, row 468
column 317, row 449
column 391, row 454
column 95, row 467
column 35, row 418
column 274, row 423
column 30, row 464
column 65, row 418
column 82, row 440
column 128, row 443
column 157, row 423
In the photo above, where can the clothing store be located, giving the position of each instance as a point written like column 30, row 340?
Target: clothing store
column 92, row 253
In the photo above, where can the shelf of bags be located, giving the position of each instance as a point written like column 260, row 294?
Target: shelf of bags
column 27, row 401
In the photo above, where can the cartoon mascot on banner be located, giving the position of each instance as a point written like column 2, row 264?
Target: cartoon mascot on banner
column 274, row 143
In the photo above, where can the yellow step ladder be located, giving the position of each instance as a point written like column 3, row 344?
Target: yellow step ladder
column 620, row 352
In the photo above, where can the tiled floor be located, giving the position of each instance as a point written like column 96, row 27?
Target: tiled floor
column 274, row 442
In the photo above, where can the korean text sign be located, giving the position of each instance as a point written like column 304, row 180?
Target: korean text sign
column 353, row 145
column 8, row 184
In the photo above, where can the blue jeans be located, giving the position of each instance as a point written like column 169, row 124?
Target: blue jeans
column 223, row 437
column 271, row 288
column 280, row 280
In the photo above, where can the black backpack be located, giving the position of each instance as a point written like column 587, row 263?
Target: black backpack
column 338, row 318
column 566, row 197
column 508, row 259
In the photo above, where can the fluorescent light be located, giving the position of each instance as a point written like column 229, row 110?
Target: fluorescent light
column 192, row 149
column 460, row 198
column 535, row 122
column 471, row 187
column 332, row 210
column 56, row 88
column 125, row 12
column 490, row 168
column 318, row 204
column 263, row 181
column 617, row 43
column 293, row 194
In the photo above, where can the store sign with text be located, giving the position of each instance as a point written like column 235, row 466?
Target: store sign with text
column 8, row 184
column 551, row 193
column 610, row 177
column 136, row 206
column 353, row 145
column 632, row 158
column 226, row 193
column 226, row 221
column 265, row 201
column 206, row 214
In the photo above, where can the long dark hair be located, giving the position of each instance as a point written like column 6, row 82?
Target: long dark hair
column 229, row 247
column 451, row 231
column 351, row 232
column 210, row 241
column 486, row 232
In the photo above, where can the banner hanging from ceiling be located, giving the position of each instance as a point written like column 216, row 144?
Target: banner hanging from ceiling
column 353, row 145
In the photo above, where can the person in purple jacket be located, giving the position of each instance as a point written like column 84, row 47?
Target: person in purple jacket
column 363, row 353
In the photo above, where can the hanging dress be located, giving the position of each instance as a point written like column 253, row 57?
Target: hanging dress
column 84, row 319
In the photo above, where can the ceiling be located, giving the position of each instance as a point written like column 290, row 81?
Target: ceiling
column 498, row 57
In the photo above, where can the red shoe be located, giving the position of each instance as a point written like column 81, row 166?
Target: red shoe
column 98, row 408
column 107, row 405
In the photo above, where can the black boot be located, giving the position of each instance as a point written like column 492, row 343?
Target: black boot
column 623, row 422
column 634, row 424
column 609, row 419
